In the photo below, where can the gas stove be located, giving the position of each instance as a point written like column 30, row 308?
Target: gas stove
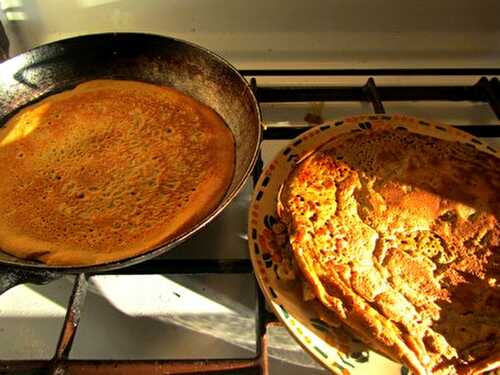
column 198, row 309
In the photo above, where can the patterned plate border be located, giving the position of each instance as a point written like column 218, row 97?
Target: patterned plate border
column 305, row 326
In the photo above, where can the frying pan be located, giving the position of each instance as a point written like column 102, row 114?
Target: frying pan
column 61, row 65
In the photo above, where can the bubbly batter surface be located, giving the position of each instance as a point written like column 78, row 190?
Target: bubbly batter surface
column 109, row 170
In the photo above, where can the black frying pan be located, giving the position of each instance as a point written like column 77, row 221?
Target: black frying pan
column 156, row 59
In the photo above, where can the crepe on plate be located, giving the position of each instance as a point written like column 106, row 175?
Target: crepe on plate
column 109, row 170
column 398, row 234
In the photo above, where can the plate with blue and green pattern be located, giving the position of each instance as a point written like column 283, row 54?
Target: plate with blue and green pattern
column 314, row 327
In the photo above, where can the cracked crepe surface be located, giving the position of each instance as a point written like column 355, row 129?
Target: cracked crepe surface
column 398, row 234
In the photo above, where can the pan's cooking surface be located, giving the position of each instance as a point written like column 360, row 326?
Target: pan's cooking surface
column 163, row 61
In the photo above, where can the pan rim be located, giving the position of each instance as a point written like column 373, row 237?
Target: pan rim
column 177, row 240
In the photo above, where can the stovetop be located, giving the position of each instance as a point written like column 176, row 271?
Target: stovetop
column 200, row 300
column 197, row 307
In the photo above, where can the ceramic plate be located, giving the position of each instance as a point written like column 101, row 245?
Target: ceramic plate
column 312, row 330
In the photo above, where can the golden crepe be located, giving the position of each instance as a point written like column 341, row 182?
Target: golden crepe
column 399, row 235
column 109, row 170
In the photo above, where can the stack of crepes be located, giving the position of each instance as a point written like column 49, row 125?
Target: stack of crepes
column 398, row 235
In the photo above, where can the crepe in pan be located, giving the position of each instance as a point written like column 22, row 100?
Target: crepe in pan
column 109, row 170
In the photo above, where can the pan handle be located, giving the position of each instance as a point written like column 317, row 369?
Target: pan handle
column 11, row 276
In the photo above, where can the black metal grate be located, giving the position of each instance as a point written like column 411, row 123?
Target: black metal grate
column 486, row 90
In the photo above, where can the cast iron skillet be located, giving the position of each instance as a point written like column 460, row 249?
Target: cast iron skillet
column 191, row 69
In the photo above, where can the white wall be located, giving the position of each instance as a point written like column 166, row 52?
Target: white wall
column 298, row 33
